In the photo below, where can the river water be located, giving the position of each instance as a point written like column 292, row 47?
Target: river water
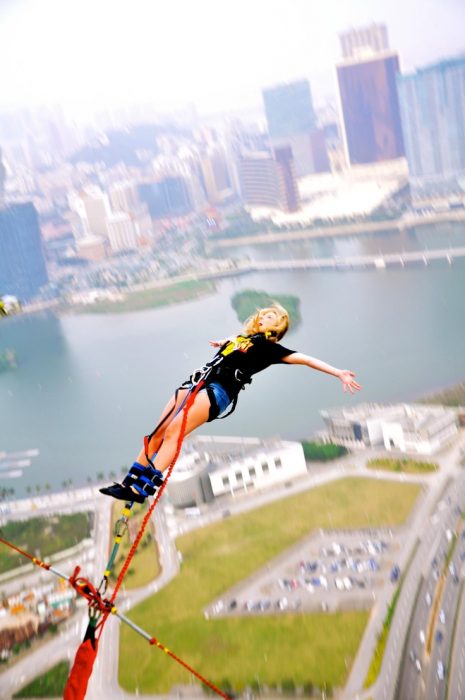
column 88, row 387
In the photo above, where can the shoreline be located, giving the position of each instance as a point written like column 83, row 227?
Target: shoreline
column 355, row 229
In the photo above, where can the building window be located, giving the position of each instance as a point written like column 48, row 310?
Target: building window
column 225, row 480
column 239, row 476
column 278, row 464
column 252, row 472
column 265, row 467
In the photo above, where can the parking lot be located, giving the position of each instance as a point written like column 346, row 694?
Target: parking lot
column 327, row 572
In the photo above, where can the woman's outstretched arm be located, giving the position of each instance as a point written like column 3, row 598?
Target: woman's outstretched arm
column 346, row 376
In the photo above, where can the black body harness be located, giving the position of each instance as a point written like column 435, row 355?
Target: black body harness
column 210, row 372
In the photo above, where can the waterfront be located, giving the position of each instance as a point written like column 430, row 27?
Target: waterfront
column 88, row 387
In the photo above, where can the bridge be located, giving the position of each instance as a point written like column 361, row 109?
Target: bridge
column 379, row 261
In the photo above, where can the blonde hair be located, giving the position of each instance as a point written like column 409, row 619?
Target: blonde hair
column 282, row 320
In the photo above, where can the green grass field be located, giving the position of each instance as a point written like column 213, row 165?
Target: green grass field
column 145, row 566
column 313, row 648
column 407, row 466
column 50, row 685
column 151, row 298
column 42, row 537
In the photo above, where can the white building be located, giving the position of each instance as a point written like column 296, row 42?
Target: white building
column 124, row 197
column 121, row 232
column 215, row 466
column 416, row 428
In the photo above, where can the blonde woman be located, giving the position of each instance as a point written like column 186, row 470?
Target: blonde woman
column 237, row 360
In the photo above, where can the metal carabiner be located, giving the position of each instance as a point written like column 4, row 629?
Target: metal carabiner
column 199, row 374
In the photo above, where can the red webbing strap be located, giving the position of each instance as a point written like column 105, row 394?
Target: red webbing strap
column 78, row 679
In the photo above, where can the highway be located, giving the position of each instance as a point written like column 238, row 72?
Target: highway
column 456, row 675
column 418, row 679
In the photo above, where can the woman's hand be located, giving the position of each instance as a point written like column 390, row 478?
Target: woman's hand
column 348, row 381
column 216, row 343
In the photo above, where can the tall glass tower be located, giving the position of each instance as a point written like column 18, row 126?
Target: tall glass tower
column 432, row 104
column 289, row 109
column 22, row 262
column 370, row 108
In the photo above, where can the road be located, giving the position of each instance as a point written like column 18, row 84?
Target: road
column 104, row 680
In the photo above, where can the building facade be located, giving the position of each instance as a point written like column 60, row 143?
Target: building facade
column 167, row 197
column 289, row 109
column 22, row 262
column 370, row 108
column 291, row 123
column 216, row 466
column 419, row 429
column 432, row 104
column 268, row 181
column 363, row 40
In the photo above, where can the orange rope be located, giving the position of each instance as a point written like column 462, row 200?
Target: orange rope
column 188, row 404
column 155, row 642
column 35, row 560
column 84, row 588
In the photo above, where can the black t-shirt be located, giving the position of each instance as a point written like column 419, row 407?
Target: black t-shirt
column 250, row 354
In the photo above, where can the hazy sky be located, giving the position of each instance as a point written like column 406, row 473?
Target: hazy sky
column 217, row 54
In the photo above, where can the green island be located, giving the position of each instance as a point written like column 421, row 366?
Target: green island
column 246, row 302
column 236, row 651
column 43, row 537
column 408, row 466
column 145, row 567
column 51, row 684
column 8, row 360
column 151, row 298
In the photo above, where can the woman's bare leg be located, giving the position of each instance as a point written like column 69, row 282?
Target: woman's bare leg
column 197, row 416
column 157, row 438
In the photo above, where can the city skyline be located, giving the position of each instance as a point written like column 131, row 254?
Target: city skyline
column 88, row 57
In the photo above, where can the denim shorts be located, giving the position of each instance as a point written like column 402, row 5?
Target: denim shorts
column 221, row 398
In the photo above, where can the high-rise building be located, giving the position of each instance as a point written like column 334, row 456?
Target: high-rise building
column 291, row 120
column 432, row 103
column 269, row 182
column 289, row 109
column 22, row 262
column 124, row 197
column 216, row 177
column 356, row 43
column 289, row 192
column 167, row 197
column 2, row 179
column 96, row 211
column 370, row 108
column 259, row 179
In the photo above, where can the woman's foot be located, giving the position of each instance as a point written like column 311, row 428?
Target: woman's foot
column 139, row 483
column 122, row 493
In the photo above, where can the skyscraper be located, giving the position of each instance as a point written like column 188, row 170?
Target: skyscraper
column 291, row 122
column 22, row 262
column 269, row 182
column 289, row 192
column 370, row 108
column 289, row 109
column 2, row 179
column 432, row 103
column 356, row 43
column 167, row 197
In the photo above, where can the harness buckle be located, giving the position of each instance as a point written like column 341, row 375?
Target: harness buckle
column 199, row 374
column 241, row 377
